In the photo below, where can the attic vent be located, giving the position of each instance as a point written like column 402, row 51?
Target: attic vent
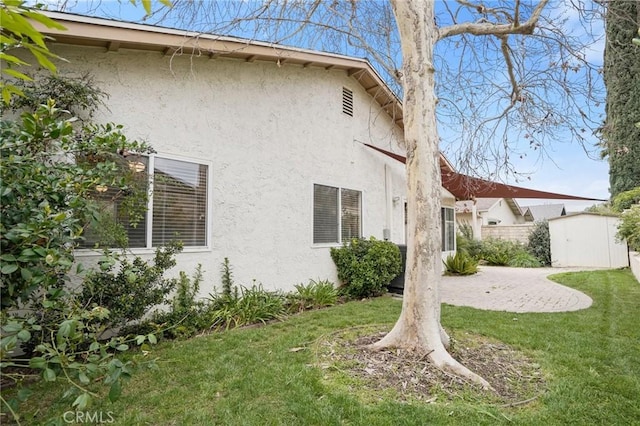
column 347, row 101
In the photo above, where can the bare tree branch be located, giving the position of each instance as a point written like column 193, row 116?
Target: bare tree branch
column 485, row 28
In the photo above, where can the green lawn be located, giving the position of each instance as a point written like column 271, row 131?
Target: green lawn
column 591, row 360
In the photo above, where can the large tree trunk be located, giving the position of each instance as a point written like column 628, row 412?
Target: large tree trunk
column 418, row 328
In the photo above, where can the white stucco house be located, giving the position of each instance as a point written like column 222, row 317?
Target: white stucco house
column 261, row 153
column 485, row 212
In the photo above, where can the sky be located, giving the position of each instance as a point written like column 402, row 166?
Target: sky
column 574, row 171
column 567, row 170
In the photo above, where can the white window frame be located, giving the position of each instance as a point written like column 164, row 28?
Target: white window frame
column 313, row 206
column 448, row 225
column 149, row 248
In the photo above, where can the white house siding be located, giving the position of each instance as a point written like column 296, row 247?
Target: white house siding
column 586, row 240
column 269, row 133
column 500, row 212
column 490, row 210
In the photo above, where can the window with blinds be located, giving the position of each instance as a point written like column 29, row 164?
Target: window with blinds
column 448, row 229
column 337, row 214
column 111, row 205
column 179, row 202
column 177, row 208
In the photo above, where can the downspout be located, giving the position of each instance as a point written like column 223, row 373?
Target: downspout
column 474, row 221
column 386, row 232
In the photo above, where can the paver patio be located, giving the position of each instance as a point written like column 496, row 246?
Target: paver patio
column 513, row 290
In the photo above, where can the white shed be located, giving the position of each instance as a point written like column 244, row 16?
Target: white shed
column 587, row 239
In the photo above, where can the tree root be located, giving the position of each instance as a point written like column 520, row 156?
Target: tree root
column 437, row 355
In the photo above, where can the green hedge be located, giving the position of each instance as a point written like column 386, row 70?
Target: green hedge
column 366, row 267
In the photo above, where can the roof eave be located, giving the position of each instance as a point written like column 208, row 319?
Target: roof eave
column 115, row 35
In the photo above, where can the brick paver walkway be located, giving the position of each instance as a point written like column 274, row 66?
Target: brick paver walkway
column 513, row 290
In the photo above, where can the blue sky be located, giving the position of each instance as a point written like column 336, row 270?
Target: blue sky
column 569, row 169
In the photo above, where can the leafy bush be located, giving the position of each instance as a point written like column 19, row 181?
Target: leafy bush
column 186, row 315
column 78, row 95
column 366, row 267
column 460, row 264
column 316, row 294
column 134, row 289
column 250, row 305
column 64, row 345
column 47, row 200
column 628, row 204
column 540, row 243
column 629, row 228
column 522, row 259
column 465, row 242
column 626, row 199
column 48, row 197
column 498, row 252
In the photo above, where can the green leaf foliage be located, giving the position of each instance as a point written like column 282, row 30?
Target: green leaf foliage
column 131, row 291
column 499, row 252
column 18, row 32
column 47, row 200
column 621, row 74
column 314, row 295
column 460, row 264
column 540, row 243
column 629, row 228
column 249, row 305
column 626, row 199
column 366, row 267
column 48, row 197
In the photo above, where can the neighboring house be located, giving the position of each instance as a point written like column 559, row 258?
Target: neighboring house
column 543, row 212
column 587, row 239
column 483, row 212
column 261, row 153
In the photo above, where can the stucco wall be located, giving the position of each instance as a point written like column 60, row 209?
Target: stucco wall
column 499, row 211
column 509, row 232
column 269, row 134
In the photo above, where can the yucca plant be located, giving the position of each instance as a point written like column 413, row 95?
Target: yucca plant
column 460, row 264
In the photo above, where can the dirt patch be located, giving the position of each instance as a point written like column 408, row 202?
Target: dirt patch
column 406, row 376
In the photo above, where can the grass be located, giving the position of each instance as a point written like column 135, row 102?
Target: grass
column 251, row 376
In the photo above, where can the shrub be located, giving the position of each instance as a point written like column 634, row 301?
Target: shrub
column 460, row 264
column 134, row 289
column 629, row 228
column 63, row 343
column 540, row 243
column 626, row 199
column 522, row 259
column 186, row 315
column 47, row 200
column 366, row 267
column 316, row 294
column 467, row 244
column 498, row 252
column 48, row 197
column 250, row 305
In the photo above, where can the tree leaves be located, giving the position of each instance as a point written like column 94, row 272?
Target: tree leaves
column 18, row 31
